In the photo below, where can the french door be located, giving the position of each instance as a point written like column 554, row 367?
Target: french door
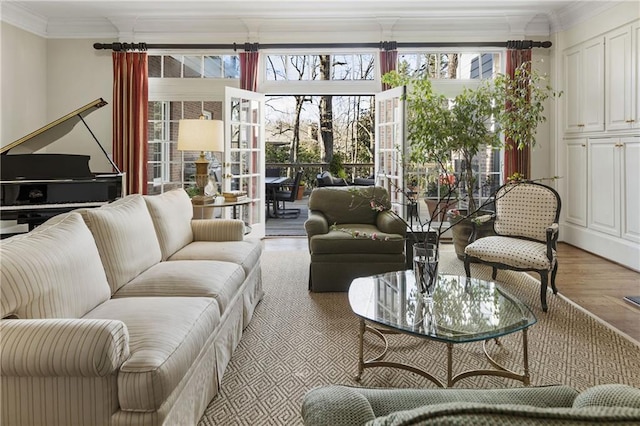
column 243, row 168
column 390, row 145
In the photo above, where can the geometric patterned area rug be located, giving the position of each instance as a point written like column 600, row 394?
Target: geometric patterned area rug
column 298, row 340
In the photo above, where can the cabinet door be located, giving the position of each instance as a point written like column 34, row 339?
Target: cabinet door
column 635, row 89
column 572, row 89
column 575, row 202
column 618, row 82
column 631, row 188
column 584, row 87
column 604, row 185
column 592, row 102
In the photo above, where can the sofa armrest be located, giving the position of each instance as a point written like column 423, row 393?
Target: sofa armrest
column 389, row 222
column 335, row 405
column 217, row 229
column 316, row 224
column 62, row 347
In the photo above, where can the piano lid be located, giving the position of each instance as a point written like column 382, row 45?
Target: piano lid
column 53, row 131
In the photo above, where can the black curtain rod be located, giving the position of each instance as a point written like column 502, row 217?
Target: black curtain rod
column 385, row 45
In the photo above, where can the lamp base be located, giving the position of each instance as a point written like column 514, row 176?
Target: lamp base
column 202, row 173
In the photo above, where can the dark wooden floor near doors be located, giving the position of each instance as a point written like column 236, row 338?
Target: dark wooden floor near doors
column 590, row 281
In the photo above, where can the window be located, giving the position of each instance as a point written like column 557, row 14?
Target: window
column 169, row 168
column 347, row 66
column 196, row 89
column 307, row 77
column 450, row 66
column 194, row 66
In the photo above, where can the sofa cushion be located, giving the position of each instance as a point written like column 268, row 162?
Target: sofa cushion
column 471, row 413
column 218, row 280
column 356, row 238
column 125, row 237
column 53, row 271
column 514, row 252
column 166, row 334
column 349, row 204
column 244, row 253
column 171, row 212
column 610, row 395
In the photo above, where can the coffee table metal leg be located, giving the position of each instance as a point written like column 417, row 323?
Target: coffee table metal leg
column 360, row 350
column 526, row 379
column 502, row 371
column 449, row 364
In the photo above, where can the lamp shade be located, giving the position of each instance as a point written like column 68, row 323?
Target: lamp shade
column 201, row 135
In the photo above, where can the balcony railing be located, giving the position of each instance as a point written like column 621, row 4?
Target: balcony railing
column 311, row 170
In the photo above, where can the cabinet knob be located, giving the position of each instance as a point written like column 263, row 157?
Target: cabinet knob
column 583, row 145
column 580, row 125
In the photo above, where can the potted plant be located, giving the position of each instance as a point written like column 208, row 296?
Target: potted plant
column 436, row 128
column 473, row 120
column 437, row 195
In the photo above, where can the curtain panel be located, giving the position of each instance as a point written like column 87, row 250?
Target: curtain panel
column 388, row 60
column 130, row 106
column 516, row 160
column 249, row 70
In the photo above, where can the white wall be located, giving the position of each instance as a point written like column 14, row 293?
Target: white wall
column 23, row 72
column 543, row 153
column 43, row 80
column 76, row 75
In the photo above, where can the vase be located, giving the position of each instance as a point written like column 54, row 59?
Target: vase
column 425, row 268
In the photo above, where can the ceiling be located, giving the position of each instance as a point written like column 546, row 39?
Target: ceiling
column 269, row 20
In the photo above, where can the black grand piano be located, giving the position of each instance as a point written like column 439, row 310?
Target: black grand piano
column 36, row 186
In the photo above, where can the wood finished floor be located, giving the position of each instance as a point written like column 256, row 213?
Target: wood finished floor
column 590, row 281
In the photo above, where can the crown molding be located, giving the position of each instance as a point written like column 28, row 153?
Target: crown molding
column 16, row 15
column 439, row 23
column 579, row 12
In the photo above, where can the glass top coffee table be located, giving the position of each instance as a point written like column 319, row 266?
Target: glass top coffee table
column 462, row 310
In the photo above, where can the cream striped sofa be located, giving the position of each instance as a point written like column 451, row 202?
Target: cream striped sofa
column 123, row 315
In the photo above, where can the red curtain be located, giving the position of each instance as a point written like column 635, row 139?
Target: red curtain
column 130, row 105
column 516, row 160
column 249, row 67
column 388, row 60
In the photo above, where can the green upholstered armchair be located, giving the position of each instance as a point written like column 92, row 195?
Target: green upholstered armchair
column 611, row 404
column 340, row 228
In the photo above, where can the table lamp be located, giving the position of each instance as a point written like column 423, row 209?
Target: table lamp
column 201, row 135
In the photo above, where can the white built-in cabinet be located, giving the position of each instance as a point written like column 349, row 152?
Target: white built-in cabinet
column 600, row 151
column 621, row 97
column 602, row 184
column 584, row 87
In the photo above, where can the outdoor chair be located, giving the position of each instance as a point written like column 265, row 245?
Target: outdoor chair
column 526, row 228
column 349, row 239
column 272, row 171
column 327, row 179
column 288, row 195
